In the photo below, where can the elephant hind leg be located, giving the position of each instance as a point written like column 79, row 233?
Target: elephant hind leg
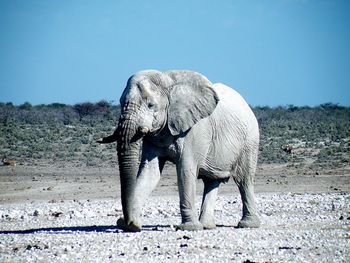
column 208, row 203
column 245, row 181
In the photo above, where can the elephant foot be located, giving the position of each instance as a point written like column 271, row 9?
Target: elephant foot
column 132, row 227
column 249, row 222
column 208, row 224
column 190, row 226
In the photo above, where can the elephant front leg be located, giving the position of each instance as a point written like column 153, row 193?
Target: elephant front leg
column 147, row 180
column 187, row 193
column 208, row 203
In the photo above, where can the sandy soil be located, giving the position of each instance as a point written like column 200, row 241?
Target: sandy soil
column 69, row 214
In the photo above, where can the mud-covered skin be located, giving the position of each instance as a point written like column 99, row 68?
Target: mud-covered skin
column 206, row 129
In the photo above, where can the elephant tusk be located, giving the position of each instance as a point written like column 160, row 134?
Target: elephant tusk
column 108, row 139
column 100, row 141
column 143, row 130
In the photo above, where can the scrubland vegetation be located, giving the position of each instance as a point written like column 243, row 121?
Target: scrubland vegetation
column 63, row 198
column 65, row 134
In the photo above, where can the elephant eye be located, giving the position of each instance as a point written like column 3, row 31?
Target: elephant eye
column 150, row 105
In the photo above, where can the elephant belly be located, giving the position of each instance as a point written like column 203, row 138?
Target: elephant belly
column 223, row 155
column 214, row 173
column 217, row 168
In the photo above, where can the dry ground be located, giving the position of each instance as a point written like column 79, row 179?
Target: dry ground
column 69, row 214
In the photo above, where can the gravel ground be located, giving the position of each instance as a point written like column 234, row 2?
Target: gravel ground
column 295, row 227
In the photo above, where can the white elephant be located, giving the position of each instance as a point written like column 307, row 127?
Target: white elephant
column 207, row 130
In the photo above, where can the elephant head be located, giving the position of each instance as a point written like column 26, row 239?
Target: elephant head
column 154, row 102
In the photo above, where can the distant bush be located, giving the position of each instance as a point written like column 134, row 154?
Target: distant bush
column 67, row 133
column 55, row 113
column 314, row 127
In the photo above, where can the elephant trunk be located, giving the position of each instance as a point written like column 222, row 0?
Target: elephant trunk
column 129, row 148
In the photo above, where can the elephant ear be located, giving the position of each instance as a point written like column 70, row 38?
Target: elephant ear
column 189, row 104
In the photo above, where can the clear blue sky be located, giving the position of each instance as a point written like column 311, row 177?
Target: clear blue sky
column 274, row 52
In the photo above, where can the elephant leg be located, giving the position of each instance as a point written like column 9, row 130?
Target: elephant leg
column 250, row 217
column 187, row 192
column 208, row 203
column 244, row 180
column 147, row 180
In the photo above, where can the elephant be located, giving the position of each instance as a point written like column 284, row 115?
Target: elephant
column 207, row 130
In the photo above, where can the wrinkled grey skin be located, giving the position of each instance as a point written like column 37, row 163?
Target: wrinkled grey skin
column 206, row 129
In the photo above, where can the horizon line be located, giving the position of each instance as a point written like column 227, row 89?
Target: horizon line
column 113, row 103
